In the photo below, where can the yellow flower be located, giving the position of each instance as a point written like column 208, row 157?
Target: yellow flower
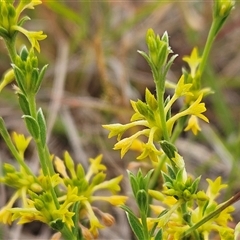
column 215, row 187
column 60, row 167
column 182, row 88
column 193, row 125
column 193, row 61
column 5, row 213
column 26, row 4
column 112, row 185
column 196, row 109
column 5, row 216
column 95, row 167
column 21, row 142
column 94, row 222
column 225, row 216
column 8, row 77
column 126, row 143
column 32, row 36
column 114, row 200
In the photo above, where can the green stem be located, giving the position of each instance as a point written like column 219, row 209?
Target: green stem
column 210, row 39
column 157, row 171
column 145, row 227
column 12, row 148
column 67, row 234
column 43, row 151
column 11, row 49
column 160, row 99
column 187, row 219
column 232, row 200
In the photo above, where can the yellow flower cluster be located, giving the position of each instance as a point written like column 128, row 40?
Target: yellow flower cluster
column 147, row 116
column 72, row 186
column 171, row 220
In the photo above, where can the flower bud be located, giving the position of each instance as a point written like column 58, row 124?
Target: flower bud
column 222, row 8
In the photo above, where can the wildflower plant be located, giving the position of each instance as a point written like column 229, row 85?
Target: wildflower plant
column 62, row 193
column 182, row 210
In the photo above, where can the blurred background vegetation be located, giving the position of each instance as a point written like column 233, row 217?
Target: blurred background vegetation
column 94, row 70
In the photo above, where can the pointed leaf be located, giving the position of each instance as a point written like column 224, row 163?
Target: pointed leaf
column 20, row 78
column 4, row 33
column 167, row 179
column 42, row 126
column 142, row 201
column 23, row 102
column 34, row 79
column 32, row 126
column 40, row 78
column 195, row 184
column 134, row 223
column 159, row 235
column 133, row 182
column 24, row 53
column 171, row 172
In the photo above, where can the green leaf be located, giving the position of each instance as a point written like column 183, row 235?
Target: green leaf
column 32, row 126
column 24, row 104
column 34, row 79
column 167, row 179
column 40, row 78
column 134, row 223
column 76, row 230
column 142, row 201
column 42, row 126
column 168, row 148
column 133, row 182
column 151, row 100
column 23, row 20
column 24, row 53
column 57, row 224
column 168, row 115
column 147, row 178
column 20, row 78
column 4, row 33
column 159, row 235
column 195, row 184
column 171, row 172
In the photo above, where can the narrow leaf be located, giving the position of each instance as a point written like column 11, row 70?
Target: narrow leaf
column 23, row 102
column 42, row 126
column 40, row 78
column 32, row 126
column 134, row 223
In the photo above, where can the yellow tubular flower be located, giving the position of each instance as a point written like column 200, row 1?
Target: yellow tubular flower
column 114, row 200
column 95, row 167
column 193, row 125
column 8, row 77
column 196, row 109
column 126, row 143
column 26, row 4
column 193, row 61
column 21, row 142
column 32, row 36
column 60, row 167
column 112, row 185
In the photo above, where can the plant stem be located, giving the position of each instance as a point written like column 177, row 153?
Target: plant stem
column 145, row 227
column 11, row 49
column 208, row 46
column 160, row 89
column 232, row 200
column 12, row 148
